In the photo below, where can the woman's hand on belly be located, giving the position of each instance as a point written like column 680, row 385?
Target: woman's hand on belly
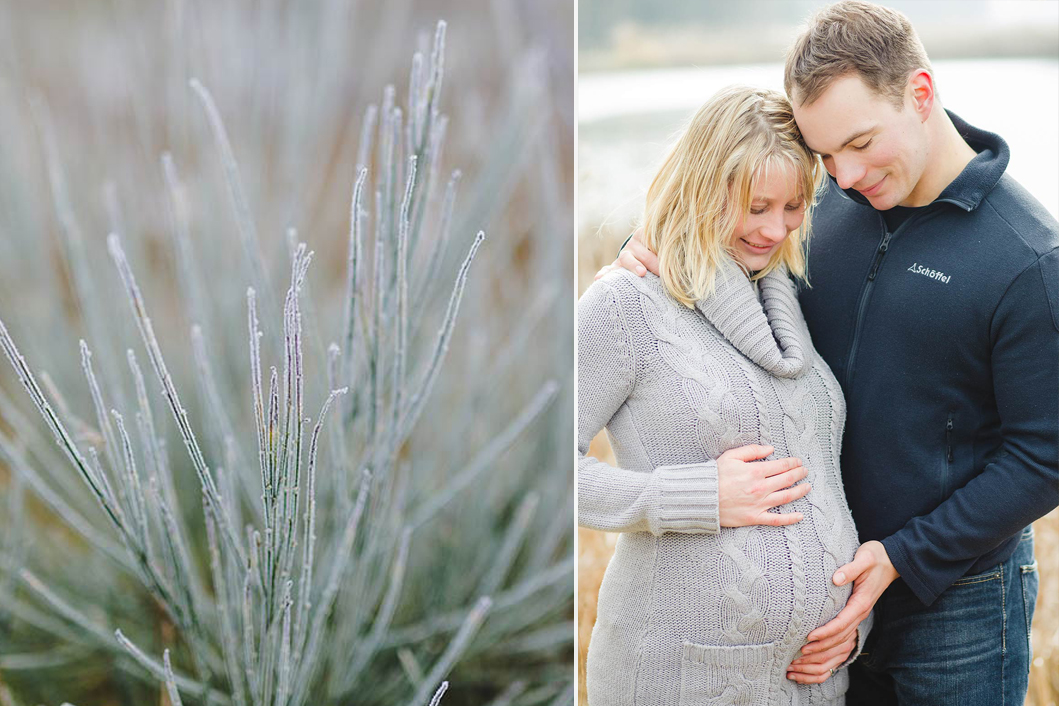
column 747, row 490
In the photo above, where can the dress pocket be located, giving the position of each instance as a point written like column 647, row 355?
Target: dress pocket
column 721, row 676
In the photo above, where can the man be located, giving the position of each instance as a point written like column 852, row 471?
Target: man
column 935, row 300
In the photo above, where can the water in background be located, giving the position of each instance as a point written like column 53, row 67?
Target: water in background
column 626, row 121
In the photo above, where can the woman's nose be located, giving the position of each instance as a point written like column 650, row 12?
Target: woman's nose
column 775, row 229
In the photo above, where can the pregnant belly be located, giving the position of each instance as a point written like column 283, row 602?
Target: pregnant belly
column 745, row 586
column 685, row 605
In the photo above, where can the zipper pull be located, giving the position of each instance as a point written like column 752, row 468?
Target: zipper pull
column 948, row 439
column 883, row 247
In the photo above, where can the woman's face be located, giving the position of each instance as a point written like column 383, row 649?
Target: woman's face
column 776, row 210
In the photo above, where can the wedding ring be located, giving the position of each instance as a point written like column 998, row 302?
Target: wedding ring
column 832, row 671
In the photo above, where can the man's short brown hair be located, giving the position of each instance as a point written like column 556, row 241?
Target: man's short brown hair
column 854, row 37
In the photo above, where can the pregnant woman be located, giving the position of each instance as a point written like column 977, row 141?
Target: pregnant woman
column 724, row 562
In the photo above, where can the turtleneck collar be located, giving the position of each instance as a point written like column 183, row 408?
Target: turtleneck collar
column 766, row 331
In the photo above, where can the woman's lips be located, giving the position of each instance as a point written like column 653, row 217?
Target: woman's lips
column 757, row 248
column 873, row 190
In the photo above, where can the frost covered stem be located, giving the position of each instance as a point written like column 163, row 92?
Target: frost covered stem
column 143, row 322
column 441, row 347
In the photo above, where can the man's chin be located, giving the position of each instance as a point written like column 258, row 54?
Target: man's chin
column 881, row 202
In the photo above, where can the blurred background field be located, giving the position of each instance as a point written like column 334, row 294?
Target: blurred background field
column 92, row 94
column 645, row 67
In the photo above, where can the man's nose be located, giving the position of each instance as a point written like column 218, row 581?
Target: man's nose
column 848, row 172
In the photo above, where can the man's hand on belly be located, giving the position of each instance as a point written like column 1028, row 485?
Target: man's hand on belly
column 816, row 667
column 871, row 572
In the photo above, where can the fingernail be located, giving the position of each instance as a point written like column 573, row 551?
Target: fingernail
column 641, row 271
column 840, row 578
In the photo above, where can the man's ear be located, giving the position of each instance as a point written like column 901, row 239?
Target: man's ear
column 921, row 84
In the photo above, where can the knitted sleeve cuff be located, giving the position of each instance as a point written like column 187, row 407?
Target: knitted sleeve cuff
column 862, row 634
column 687, row 499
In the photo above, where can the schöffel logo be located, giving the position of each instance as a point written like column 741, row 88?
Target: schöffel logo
column 927, row 272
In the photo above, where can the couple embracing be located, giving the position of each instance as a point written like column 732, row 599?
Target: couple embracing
column 828, row 457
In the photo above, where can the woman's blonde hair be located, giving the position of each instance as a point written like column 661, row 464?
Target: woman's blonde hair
column 706, row 184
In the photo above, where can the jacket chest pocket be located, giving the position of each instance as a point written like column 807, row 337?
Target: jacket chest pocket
column 719, row 676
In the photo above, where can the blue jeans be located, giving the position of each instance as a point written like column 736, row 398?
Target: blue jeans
column 971, row 647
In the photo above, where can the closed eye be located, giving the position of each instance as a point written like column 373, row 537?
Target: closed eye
column 864, row 146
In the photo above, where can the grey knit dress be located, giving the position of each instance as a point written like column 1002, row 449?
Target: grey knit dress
column 690, row 613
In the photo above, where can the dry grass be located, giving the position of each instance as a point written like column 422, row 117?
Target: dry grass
column 1044, row 673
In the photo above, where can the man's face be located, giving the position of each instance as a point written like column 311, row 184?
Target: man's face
column 866, row 143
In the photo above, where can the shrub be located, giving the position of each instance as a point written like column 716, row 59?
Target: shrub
column 420, row 526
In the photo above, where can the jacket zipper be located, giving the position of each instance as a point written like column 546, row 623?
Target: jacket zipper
column 864, row 296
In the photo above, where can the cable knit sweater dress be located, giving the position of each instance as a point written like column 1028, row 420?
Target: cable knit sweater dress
column 690, row 613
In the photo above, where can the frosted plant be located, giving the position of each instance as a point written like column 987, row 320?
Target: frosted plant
column 297, row 534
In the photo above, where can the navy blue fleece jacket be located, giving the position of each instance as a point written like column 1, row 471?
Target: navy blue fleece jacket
column 944, row 335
